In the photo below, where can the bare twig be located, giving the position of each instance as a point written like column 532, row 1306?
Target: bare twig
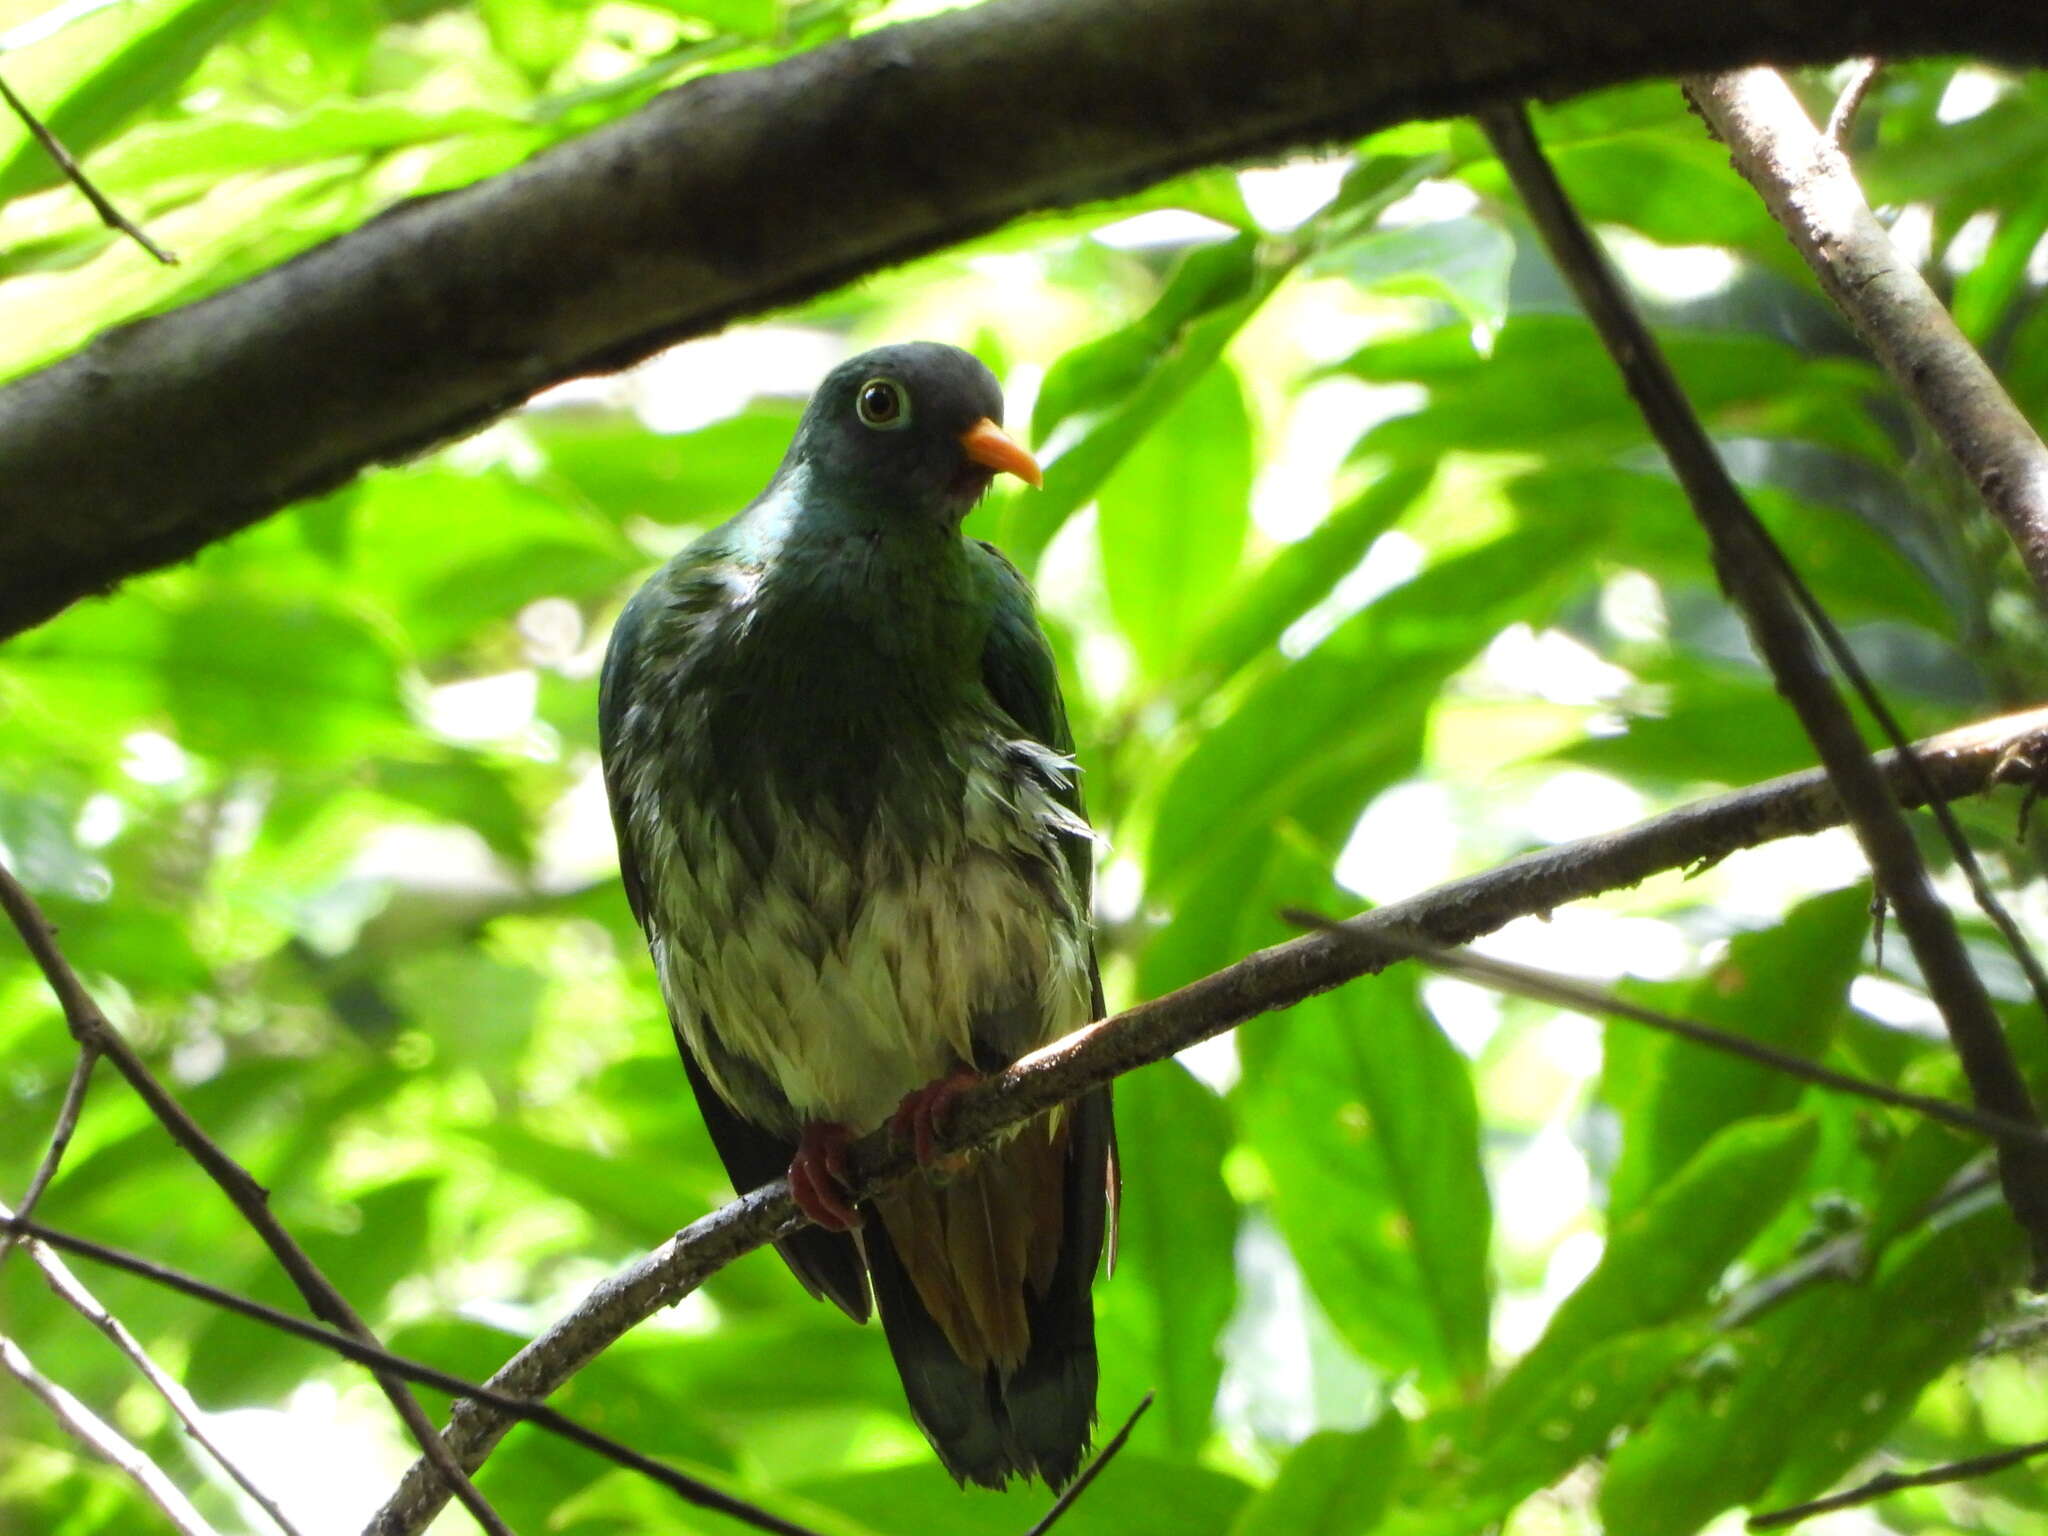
column 90, row 1028
column 1850, row 102
column 74, row 1293
column 1887, row 1483
column 1583, row 997
column 103, row 1440
column 1959, row 763
column 1750, row 572
column 60, row 1138
column 1812, row 192
column 1103, row 1457
column 384, row 1361
column 53, row 146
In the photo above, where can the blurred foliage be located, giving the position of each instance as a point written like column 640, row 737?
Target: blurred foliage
column 1363, row 574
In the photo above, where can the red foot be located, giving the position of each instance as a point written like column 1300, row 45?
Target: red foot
column 818, row 1178
column 922, row 1115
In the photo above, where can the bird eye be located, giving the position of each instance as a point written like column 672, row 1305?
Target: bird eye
column 883, row 404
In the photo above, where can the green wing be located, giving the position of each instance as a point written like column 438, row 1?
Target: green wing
column 1018, row 669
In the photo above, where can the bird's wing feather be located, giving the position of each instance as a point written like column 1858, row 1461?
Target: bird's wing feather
column 828, row 1263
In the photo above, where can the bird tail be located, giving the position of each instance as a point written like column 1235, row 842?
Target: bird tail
column 982, row 1283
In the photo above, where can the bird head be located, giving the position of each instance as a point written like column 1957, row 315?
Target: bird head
column 910, row 432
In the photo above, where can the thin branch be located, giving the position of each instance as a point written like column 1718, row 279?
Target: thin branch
column 750, row 190
column 89, row 1026
column 105, row 1441
column 383, row 1361
column 53, row 146
column 1583, row 997
column 1750, row 573
column 60, row 1138
column 1888, row 1483
column 74, row 1293
column 1959, row 763
column 1812, row 192
column 1103, row 1457
column 1861, row 78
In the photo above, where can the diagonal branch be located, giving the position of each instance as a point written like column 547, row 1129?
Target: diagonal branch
column 1810, row 189
column 81, row 1300
column 60, row 1138
column 105, row 1441
column 95, row 1035
column 1958, row 763
column 382, row 1360
column 53, row 146
column 746, row 191
column 1755, row 577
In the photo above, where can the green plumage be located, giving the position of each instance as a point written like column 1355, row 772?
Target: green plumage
column 837, row 758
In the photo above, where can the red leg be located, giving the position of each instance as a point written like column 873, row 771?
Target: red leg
column 818, row 1178
column 922, row 1115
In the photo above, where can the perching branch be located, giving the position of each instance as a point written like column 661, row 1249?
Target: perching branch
column 1756, row 579
column 81, row 1300
column 1958, row 763
column 1812, row 192
column 745, row 191
column 1560, row 991
column 105, row 1441
column 384, row 1362
column 94, row 1034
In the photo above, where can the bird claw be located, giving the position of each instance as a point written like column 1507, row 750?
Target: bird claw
column 819, row 1178
column 921, row 1118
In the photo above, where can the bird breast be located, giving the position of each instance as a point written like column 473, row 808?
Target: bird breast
column 848, row 973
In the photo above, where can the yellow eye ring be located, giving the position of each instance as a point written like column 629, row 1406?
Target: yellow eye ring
column 883, row 404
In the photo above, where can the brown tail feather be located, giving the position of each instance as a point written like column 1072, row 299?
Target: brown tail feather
column 983, row 1288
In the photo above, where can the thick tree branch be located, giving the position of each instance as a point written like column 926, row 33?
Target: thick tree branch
column 745, row 191
column 1807, row 183
column 1760, row 585
column 2014, row 747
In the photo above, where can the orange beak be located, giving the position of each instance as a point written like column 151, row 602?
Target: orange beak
column 988, row 444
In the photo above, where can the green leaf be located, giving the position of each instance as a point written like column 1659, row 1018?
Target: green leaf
column 1175, row 1284
column 1814, row 1385
column 1332, row 1484
column 1347, row 718
column 234, row 666
column 1357, row 1104
column 1786, row 986
column 1549, row 387
column 1101, row 398
column 1258, row 610
column 1463, row 262
column 1662, row 1261
column 1173, row 518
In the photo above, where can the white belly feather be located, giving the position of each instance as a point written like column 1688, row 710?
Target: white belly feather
column 850, row 987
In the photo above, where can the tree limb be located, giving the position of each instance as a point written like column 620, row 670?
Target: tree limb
column 1759, row 584
column 742, row 192
column 2014, row 747
column 1812, row 192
